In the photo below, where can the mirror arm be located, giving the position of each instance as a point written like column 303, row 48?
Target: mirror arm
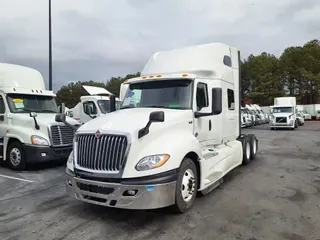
column 36, row 125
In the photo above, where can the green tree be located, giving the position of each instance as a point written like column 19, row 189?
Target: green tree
column 262, row 78
column 113, row 85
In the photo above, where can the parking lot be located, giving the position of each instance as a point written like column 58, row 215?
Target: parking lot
column 277, row 196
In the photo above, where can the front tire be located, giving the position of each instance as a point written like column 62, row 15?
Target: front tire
column 246, row 151
column 253, row 141
column 16, row 157
column 186, row 187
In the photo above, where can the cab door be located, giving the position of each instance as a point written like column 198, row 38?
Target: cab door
column 202, row 104
column 3, row 124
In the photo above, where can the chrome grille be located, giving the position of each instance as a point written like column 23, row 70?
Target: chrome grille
column 106, row 153
column 61, row 135
column 281, row 120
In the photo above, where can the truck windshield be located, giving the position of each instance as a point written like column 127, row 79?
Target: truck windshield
column 174, row 94
column 25, row 103
column 282, row 110
column 104, row 105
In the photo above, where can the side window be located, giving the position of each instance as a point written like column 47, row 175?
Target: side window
column 202, row 96
column 231, row 99
column 2, row 106
column 89, row 108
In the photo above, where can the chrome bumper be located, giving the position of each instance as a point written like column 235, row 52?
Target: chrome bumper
column 116, row 195
column 281, row 125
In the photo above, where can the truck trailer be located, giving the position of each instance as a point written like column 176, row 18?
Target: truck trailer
column 178, row 132
column 28, row 130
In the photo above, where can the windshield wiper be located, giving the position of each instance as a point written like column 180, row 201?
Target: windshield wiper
column 47, row 111
column 127, row 107
column 155, row 106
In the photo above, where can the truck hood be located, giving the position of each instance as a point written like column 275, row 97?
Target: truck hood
column 43, row 119
column 132, row 120
column 282, row 114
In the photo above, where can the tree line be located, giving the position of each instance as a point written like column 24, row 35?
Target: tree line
column 263, row 77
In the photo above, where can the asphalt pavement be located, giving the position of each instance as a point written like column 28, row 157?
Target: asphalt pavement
column 277, row 196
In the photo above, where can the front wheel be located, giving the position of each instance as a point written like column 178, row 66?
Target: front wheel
column 186, row 187
column 15, row 156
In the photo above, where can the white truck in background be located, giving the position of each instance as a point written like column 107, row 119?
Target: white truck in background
column 93, row 105
column 28, row 131
column 313, row 110
column 177, row 133
column 284, row 113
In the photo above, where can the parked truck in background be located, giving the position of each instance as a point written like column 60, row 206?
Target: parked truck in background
column 28, row 130
column 178, row 132
column 313, row 110
column 93, row 105
column 284, row 113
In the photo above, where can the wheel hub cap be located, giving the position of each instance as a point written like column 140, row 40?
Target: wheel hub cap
column 15, row 156
column 188, row 185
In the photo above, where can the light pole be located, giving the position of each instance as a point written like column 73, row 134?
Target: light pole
column 50, row 48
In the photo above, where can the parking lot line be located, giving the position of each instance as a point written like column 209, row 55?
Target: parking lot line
column 19, row 179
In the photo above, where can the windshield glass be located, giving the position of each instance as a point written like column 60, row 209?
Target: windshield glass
column 282, row 110
column 159, row 94
column 104, row 105
column 25, row 103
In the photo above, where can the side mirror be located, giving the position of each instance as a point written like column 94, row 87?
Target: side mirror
column 157, row 116
column 60, row 117
column 33, row 114
column 112, row 103
column 216, row 104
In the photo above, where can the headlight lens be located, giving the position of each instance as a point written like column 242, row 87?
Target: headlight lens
column 151, row 162
column 71, row 157
column 37, row 140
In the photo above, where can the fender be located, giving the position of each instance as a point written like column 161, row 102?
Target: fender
column 177, row 143
column 6, row 139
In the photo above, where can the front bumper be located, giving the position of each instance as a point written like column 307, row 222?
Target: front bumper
column 112, row 194
column 37, row 154
column 282, row 125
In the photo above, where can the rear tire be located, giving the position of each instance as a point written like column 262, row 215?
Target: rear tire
column 186, row 187
column 16, row 159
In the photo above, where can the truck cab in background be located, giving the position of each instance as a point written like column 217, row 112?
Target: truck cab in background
column 28, row 131
column 284, row 113
column 93, row 105
column 178, row 132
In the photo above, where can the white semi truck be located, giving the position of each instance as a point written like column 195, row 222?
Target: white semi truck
column 284, row 113
column 93, row 105
column 28, row 130
column 178, row 132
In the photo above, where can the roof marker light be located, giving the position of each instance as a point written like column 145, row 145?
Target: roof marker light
column 184, row 75
column 151, row 76
column 159, row 75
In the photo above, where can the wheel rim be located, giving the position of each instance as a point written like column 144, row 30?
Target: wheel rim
column 248, row 151
column 15, row 156
column 254, row 146
column 188, row 185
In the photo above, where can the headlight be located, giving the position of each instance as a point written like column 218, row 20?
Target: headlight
column 37, row 140
column 71, row 157
column 151, row 162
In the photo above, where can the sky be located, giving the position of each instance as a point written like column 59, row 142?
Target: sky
column 99, row 39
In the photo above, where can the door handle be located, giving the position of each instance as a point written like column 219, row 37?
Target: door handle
column 210, row 125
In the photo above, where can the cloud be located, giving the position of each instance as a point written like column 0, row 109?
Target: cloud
column 98, row 39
